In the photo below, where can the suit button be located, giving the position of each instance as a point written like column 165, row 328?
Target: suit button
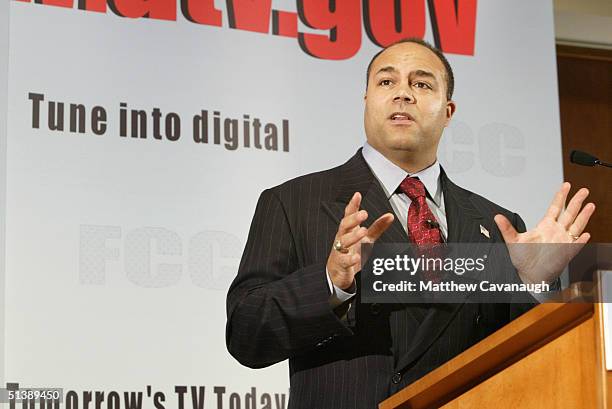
column 375, row 309
column 325, row 341
column 396, row 378
column 477, row 319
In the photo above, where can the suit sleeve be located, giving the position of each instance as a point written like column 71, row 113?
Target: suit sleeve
column 277, row 308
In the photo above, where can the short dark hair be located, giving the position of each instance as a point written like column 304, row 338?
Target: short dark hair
column 450, row 78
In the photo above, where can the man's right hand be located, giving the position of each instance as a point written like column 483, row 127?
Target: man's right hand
column 343, row 265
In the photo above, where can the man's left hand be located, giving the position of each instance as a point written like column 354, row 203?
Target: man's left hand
column 537, row 263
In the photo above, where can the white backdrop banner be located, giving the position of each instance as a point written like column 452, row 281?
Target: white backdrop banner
column 141, row 133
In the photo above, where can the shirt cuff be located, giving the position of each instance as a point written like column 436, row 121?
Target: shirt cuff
column 337, row 295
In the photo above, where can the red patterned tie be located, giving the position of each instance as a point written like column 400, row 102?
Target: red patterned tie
column 423, row 229
column 420, row 231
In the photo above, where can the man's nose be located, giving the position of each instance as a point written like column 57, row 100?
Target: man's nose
column 404, row 95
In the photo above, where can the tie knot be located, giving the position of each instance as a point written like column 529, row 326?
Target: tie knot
column 413, row 187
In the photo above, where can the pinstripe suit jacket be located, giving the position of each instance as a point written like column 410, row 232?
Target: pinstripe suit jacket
column 278, row 305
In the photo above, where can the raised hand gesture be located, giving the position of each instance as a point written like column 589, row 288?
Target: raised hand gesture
column 344, row 260
column 541, row 254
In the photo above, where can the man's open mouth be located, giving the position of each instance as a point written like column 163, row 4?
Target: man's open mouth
column 401, row 117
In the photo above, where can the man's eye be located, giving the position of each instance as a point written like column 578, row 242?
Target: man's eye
column 421, row 84
column 385, row 82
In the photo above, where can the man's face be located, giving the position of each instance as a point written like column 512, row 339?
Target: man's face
column 406, row 108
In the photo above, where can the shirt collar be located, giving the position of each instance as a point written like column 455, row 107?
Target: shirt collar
column 390, row 175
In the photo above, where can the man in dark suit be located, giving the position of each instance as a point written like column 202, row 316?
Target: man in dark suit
column 296, row 297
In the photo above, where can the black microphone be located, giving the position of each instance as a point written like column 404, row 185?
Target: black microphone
column 586, row 159
column 432, row 224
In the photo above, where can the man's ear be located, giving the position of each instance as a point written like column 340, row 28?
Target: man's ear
column 450, row 110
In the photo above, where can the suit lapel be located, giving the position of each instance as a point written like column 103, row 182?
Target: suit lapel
column 463, row 219
column 356, row 176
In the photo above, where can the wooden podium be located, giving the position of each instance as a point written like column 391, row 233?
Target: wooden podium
column 550, row 357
